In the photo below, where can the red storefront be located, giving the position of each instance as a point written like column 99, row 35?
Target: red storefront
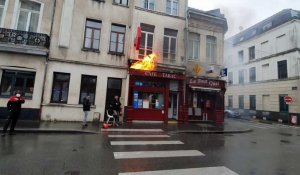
column 155, row 96
column 205, row 99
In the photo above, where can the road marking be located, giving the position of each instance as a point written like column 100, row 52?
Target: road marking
column 191, row 171
column 137, row 136
column 145, row 142
column 133, row 130
column 152, row 154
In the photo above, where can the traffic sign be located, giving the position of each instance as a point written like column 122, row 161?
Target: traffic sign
column 288, row 99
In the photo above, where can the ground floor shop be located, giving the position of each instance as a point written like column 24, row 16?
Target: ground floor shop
column 155, row 96
column 26, row 74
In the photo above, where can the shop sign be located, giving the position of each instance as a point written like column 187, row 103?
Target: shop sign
column 206, row 83
column 157, row 74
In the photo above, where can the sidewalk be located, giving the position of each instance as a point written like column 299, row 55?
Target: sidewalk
column 173, row 128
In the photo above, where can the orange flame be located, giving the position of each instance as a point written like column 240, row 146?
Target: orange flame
column 148, row 63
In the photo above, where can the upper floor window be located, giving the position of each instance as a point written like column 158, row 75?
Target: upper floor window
column 92, row 34
column 241, row 77
column 172, row 7
column 147, row 40
column 194, row 45
column 230, row 101
column 252, row 53
column 170, row 43
column 211, row 49
column 230, row 78
column 148, row 4
column 252, row 74
column 28, row 16
column 2, row 5
column 122, row 2
column 117, row 38
column 241, row 56
column 282, row 69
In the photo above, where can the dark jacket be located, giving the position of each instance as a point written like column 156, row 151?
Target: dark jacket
column 14, row 104
column 86, row 104
column 115, row 105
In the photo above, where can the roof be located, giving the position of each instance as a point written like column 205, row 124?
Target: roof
column 265, row 25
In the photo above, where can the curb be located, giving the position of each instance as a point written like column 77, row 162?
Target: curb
column 213, row 132
column 54, row 131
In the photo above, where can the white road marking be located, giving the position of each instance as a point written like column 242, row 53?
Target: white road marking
column 138, row 136
column 152, row 154
column 191, row 171
column 132, row 130
column 145, row 142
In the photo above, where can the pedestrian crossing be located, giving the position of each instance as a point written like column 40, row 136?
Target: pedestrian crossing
column 124, row 134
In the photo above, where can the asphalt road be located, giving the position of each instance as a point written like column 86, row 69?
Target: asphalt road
column 268, row 150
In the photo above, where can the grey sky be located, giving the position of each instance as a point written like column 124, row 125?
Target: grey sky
column 245, row 13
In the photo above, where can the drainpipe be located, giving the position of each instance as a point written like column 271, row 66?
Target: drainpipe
column 186, row 55
column 47, row 58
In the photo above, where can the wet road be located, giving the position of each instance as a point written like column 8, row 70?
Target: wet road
column 268, row 150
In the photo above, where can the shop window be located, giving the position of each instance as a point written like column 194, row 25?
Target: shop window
column 149, row 84
column 252, row 102
column 148, row 100
column 169, row 50
column 92, row 34
column 211, row 49
column 13, row 81
column 117, row 39
column 29, row 15
column 252, row 53
column 60, row 88
column 121, row 2
column 241, row 102
column 146, row 41
column 282, row 69
column 283, row 107
column 194, row 46
column 172, row 7
column 88, row 88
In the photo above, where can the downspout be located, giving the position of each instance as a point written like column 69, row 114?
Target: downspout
column 47, row 58
column 185, row 59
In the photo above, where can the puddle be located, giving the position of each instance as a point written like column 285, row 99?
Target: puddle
column 285, row 134
column 285, row 141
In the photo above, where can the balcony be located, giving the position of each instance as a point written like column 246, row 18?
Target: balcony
column 24, row 42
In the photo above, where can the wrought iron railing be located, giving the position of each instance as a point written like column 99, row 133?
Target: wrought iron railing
column 18, row 37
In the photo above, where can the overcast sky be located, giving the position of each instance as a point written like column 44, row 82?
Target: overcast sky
column 245, row 13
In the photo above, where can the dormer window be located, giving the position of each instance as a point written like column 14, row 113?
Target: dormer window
column 267, row 26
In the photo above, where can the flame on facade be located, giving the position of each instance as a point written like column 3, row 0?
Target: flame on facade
column 148, row 63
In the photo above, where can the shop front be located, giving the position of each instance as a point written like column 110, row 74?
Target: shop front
column 205, row 99
column 155, row 96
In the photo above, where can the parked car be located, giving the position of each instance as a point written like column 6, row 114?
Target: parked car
column 231, row 113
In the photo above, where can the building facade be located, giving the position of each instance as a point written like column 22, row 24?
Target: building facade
column 25, row 27
column 264, row 66
column 93, row 45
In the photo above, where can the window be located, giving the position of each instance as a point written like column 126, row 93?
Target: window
column 282, row 69
column 172, row 7
column 194, row 46
column 230, row 78
column 252, row 74
column 117, row 38
column 88, row 87
column 265, row 70
column 60, row 88
column 267, row 26
column 283, row 107
column 92, row 34
column 230, row 101
column 241, row 102
column 252, row 53
column 148, row 4
column 29, row 15
column 122, row 2
column 241, row 77
column 12, row 81
column 252, row 102
column 265, row 49
column 211, row 49
column 2, row 5
column 147, row 40
column 170, row 44
column 241, row 56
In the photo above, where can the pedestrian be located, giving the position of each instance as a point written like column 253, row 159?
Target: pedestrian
column 116, row 107
column 86, row 109
column 14, row 106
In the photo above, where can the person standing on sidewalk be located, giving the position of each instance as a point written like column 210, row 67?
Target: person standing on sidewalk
column 86, row 109
column 14, row 106
column 116, row 106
